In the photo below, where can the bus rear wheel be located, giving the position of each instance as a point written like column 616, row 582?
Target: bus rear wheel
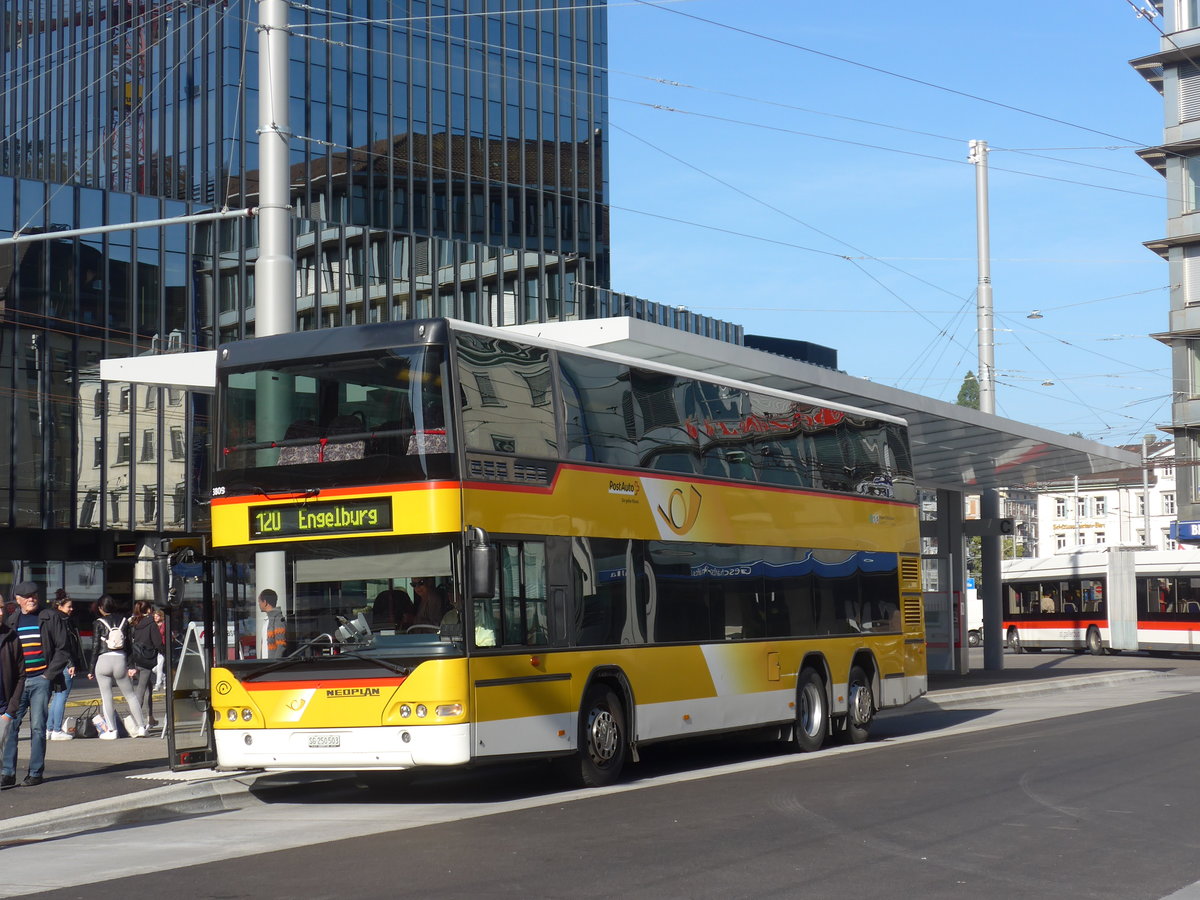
column 860, row 708
column 1094, row 646
column 812, row 712
column 603, row 747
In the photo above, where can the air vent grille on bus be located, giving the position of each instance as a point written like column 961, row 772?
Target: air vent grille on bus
column 910, row 611
column 910, row 573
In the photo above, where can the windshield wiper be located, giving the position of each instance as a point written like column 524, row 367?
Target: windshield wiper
column 358, row 654
column 292, row 659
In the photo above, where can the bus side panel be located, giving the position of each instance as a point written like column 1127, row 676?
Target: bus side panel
column 529, row 703
column 1177, row 637
column 604, row 503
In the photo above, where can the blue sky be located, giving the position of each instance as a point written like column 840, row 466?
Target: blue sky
column 810, row 159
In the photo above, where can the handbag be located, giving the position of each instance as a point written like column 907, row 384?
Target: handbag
column 84, row 726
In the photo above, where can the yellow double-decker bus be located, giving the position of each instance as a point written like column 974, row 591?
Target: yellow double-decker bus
column 494, row 547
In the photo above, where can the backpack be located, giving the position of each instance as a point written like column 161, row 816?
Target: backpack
column 144, row 655
column 115, row 639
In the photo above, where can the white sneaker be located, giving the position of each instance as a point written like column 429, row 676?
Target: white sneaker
column 61, row 736
column 108, row 736
column 141, row 732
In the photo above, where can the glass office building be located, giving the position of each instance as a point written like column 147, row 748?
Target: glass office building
column 447, row 158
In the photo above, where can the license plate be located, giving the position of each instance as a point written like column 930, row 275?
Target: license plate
column 324, row 740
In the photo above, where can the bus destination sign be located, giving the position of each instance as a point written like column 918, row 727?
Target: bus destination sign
column 320, row 519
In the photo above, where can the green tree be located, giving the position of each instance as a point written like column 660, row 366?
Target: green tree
column 968, row 394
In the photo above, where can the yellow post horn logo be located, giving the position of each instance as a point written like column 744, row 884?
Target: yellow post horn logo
column 680, row 515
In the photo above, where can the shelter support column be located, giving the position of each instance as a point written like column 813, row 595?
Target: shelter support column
column 990, row 590
column 944, row 562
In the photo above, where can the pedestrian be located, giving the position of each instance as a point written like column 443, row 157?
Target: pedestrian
column 160, row 619
column 43, row 639
column 143, row 655
column 111, row 666
column 274, row 634
column 64, row 606
column 12, row 679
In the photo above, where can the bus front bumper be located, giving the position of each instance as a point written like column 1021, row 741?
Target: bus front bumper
column 323, row 749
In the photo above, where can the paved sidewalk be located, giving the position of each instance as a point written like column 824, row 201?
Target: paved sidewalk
column 92, row 784
column 86, row 770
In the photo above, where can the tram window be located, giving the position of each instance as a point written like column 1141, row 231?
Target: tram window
column 1189, row 596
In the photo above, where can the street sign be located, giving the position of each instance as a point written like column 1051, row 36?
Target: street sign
column 1185, row 532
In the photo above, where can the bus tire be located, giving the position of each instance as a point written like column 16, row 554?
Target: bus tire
column 973, row 638
column 1094, row 646
column 603, row 746
column 860, row 709
column 1014, row 641
column 812, row 712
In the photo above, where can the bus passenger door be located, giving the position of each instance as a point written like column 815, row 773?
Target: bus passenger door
column 194, row 591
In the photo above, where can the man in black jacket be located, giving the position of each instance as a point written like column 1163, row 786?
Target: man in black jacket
column 12, row 678
column 44, row 645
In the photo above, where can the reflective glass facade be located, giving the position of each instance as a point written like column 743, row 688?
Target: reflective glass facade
column 448, row 158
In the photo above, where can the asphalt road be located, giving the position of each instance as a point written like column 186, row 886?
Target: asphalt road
column 1091, row 793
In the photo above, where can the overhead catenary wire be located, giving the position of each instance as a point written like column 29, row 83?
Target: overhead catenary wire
column 808, row 249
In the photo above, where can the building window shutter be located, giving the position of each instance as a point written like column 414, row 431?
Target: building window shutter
column 1191, row 275
column 1189, row 92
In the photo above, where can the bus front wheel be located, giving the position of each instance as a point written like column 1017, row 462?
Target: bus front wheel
column 812, row 712
column 602, row 743
column 1094, row 646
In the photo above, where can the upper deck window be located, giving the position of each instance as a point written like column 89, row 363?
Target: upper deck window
column 384, row 408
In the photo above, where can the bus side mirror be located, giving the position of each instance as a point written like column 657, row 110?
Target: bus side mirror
column 481, row 565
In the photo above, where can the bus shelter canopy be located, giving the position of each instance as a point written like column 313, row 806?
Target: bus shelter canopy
column 954, row 447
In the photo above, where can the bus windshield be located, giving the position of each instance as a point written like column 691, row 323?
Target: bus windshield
column 404, row 594
column 367, row 418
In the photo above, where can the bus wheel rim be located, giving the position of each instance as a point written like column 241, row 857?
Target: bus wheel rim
column 603, row 736
column 860, row 704
column 811, row 708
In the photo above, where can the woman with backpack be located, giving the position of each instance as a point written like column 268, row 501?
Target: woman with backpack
column 111, row 666
column 143, row 655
